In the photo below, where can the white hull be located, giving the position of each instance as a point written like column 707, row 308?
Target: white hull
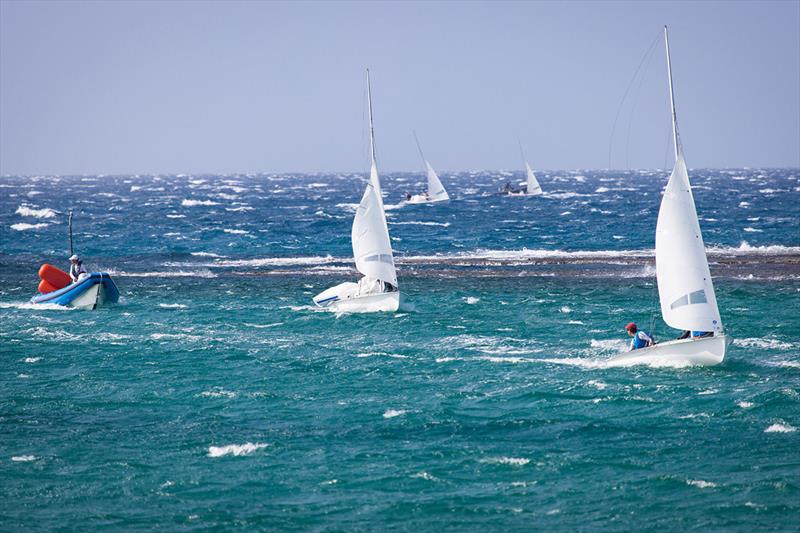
column 704, row 351
column 90, row 299
column 344, row 298
column 523, row 194
column 422, row 199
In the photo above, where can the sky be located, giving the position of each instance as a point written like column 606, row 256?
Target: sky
column 244, row 87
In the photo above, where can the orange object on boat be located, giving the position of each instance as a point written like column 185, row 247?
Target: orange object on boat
column 52, row 278
column 45, row 287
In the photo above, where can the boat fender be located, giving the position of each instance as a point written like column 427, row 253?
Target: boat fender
column 56, row 278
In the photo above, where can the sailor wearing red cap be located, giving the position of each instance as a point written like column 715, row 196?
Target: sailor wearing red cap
column 641, row 339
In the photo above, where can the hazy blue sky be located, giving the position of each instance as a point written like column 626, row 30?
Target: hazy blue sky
column 168, row 87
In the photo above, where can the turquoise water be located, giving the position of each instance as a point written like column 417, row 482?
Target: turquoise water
column 215, row 395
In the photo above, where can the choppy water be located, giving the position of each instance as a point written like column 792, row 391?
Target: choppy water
column 215, row 395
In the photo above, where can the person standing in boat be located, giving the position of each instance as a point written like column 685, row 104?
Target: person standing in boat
column 641, row 339
column 76, row 268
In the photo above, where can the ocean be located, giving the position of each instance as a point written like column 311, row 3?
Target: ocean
column 215, row 395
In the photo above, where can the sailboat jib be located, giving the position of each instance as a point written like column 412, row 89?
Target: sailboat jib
column 685, row 288
column 533, row 184
column 436, row 192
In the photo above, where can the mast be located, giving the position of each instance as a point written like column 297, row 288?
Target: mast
column 371, row 132
column 675, row 137
column 424, row 161
column 521, row 151
column 71, row 252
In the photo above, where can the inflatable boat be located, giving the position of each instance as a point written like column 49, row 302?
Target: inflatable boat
column 88, row 292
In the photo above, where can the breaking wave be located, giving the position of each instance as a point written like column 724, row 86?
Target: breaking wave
column 27, row 211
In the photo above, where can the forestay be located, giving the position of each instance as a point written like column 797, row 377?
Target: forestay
column 685, row 288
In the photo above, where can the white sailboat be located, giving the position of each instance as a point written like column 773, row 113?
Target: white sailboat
column 435, row 191
column 685, row 288
column 372, row 250
column 532, row 187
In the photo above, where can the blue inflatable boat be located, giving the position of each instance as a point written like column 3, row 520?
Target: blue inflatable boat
column 86, row 293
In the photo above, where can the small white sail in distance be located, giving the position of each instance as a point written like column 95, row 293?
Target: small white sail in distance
column 685, row 288
column 372, row 248
column 436, row 191
column 532, row 183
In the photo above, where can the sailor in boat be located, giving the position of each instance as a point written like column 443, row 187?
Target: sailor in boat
column 641, row 339
column 76, row 269
column 509, row 189
column 695, row 334
column 367, row 286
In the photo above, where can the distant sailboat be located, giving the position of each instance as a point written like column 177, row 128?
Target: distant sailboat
column 685, row 288
column 372, row 250
column 532, row 187
column 435, row 191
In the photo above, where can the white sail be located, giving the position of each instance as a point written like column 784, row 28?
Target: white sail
column 372, row 249
column 685, row 288
column 533, row 184
column 436, row 190
column 530, row 179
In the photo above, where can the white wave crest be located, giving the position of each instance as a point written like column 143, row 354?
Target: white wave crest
column 391, row 413
column 421, row 223
column 276, row 261
column 22, row 226
column 194, row 203
column 168, row 274
column 701, row 484
column 35, row 307
column 780, row 428
column 173, row 306
column 511, row 461
column 235, row 449
column 766, row 343
column 27, row 211
column 23, row 458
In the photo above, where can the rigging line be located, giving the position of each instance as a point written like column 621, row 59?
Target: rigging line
column 421, row 155
column 633, row 111
column 624, row 96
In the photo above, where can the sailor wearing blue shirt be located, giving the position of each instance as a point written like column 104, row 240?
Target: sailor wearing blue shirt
column 641, row 339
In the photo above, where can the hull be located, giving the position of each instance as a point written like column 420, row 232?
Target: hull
column 344, row 298
column 88, row 293
column 422, row 199
column 706, row 351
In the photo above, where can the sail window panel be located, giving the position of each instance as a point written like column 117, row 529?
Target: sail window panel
column 698, row 297
column 680, row 302
column 383, row 258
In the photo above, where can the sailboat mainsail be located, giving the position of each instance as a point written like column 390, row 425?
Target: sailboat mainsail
column 532, row 183
column 436, row 191
column 685, row 288
column 372, row 248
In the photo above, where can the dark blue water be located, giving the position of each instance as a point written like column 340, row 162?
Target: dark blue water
column 215, row 395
